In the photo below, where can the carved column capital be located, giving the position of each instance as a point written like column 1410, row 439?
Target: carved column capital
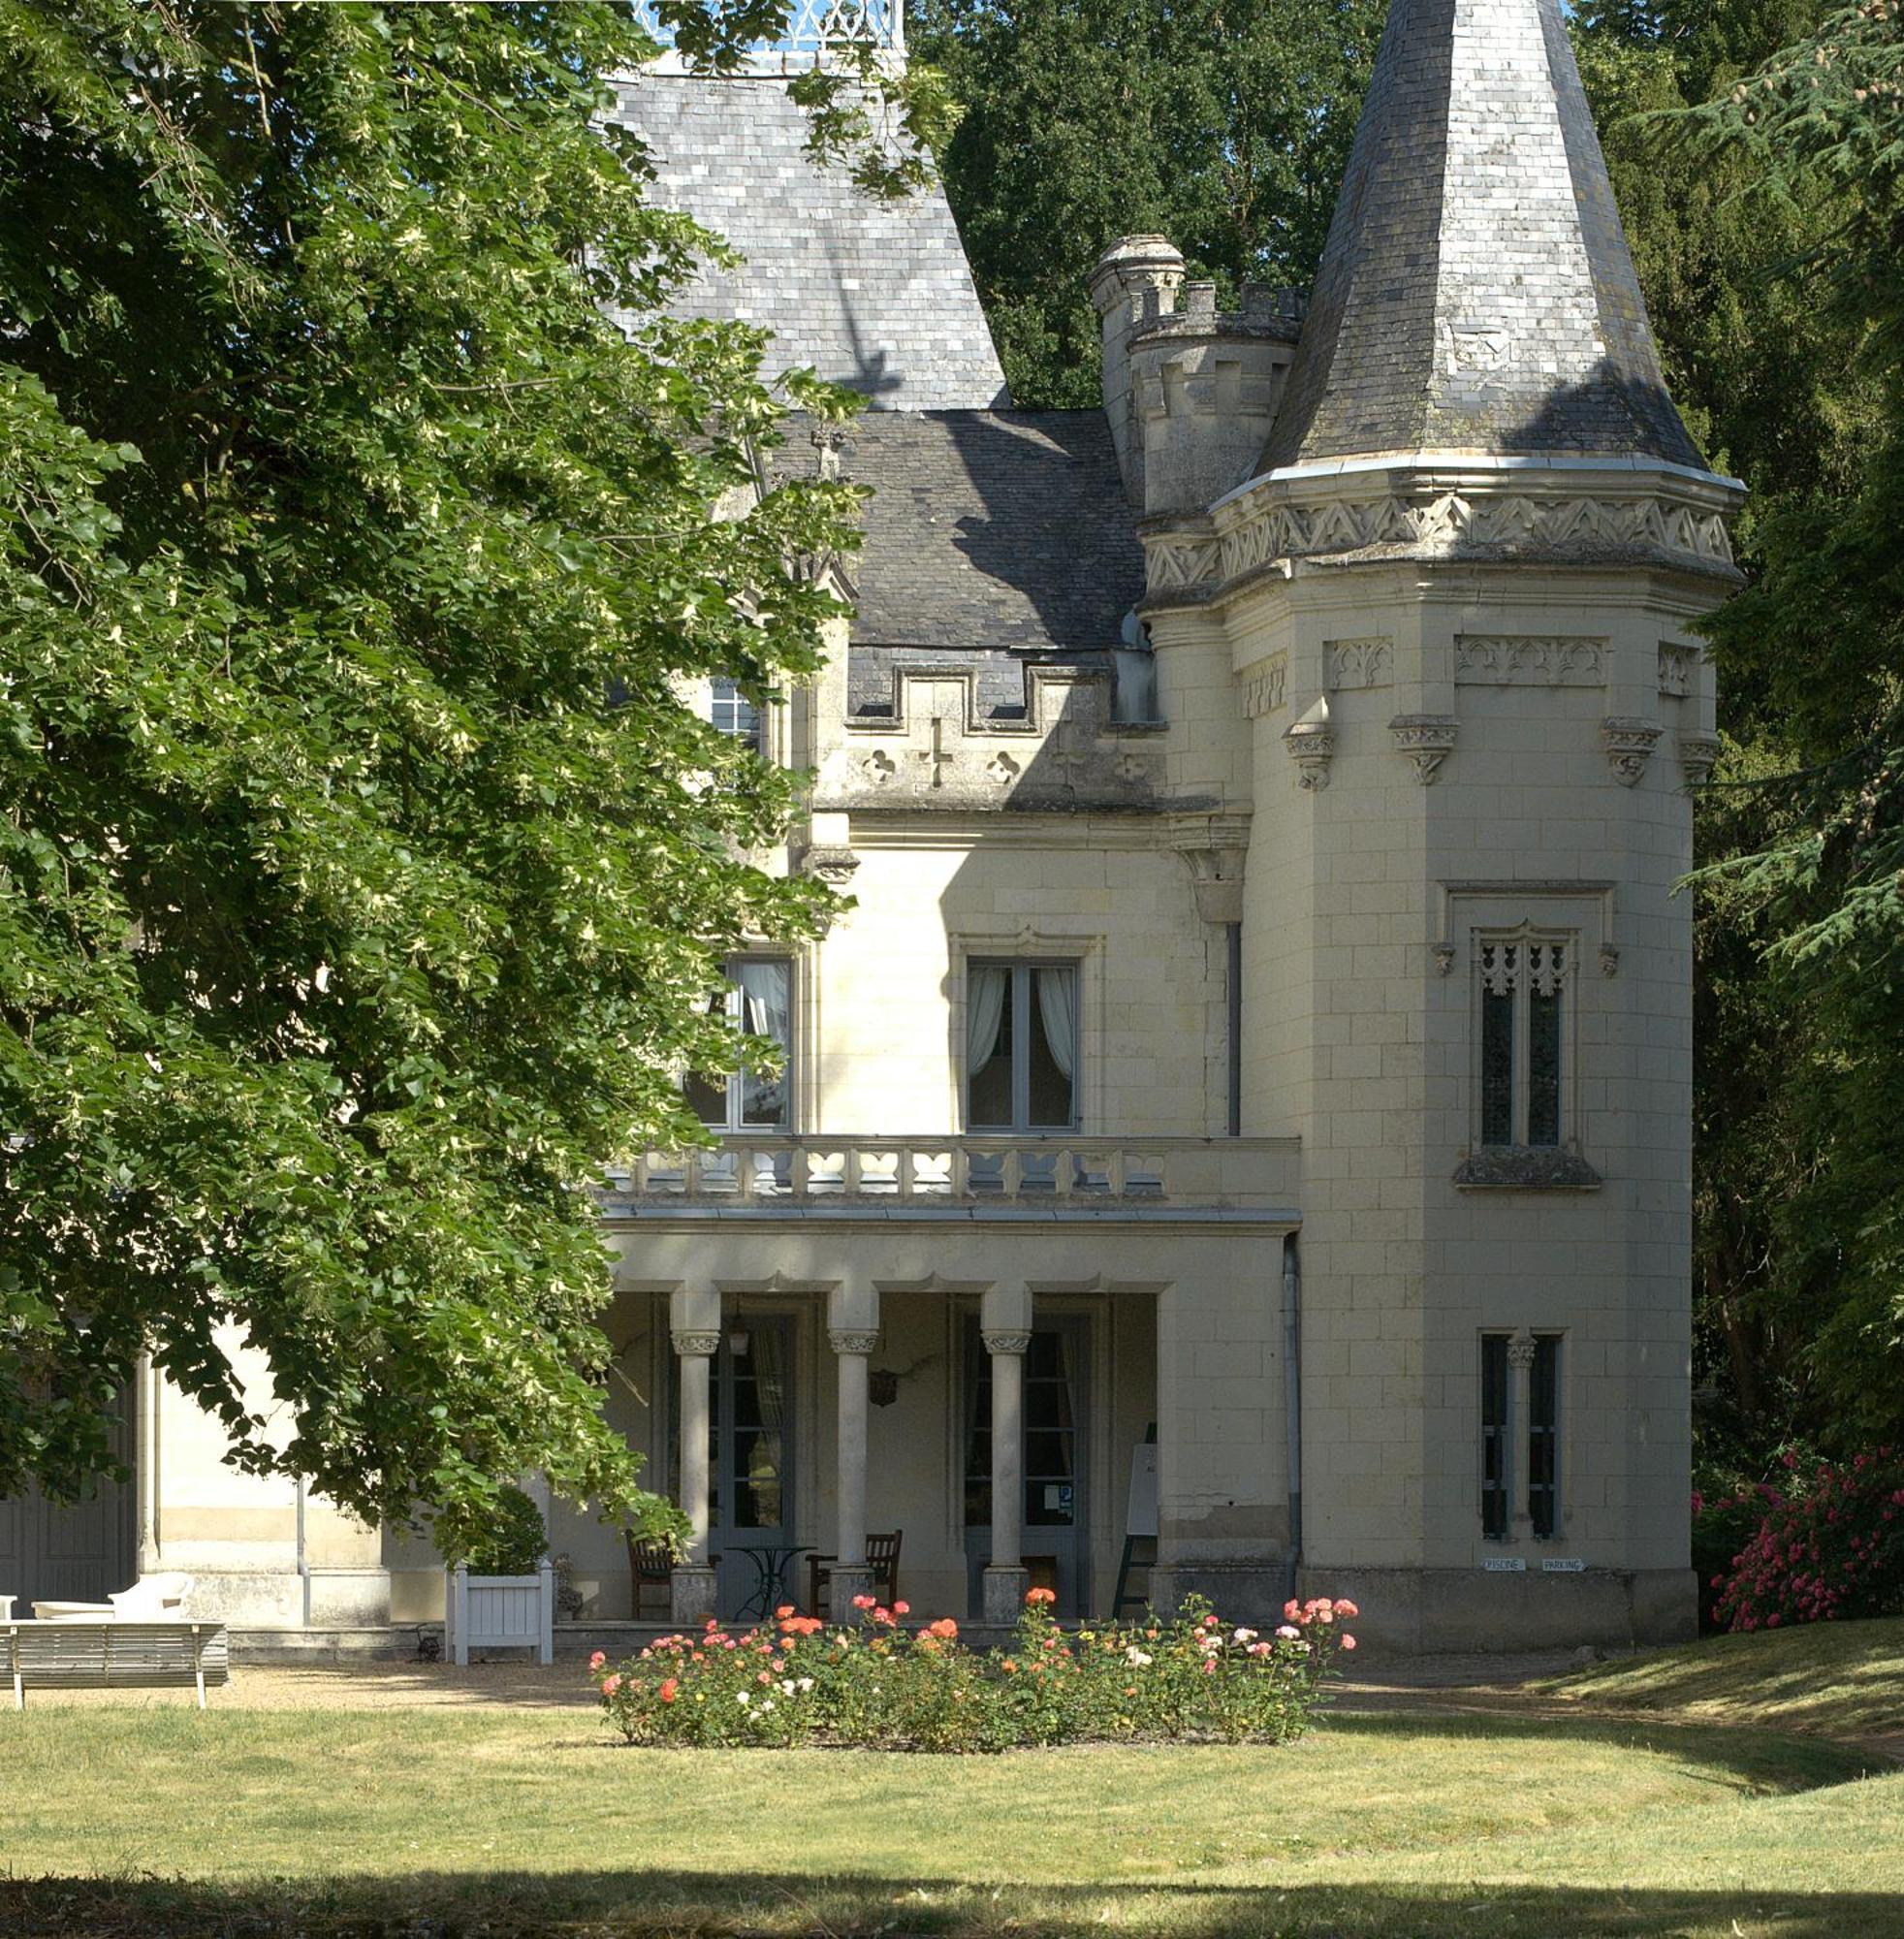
column 695, row 1344
column 850, row 1340
column 1520, row 1349
column 1001, row 1342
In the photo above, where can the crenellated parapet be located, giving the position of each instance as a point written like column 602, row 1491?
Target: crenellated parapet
column 934, row 746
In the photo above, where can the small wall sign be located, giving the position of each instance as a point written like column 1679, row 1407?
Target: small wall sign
column 1505, row 1565
column 1563, row 1564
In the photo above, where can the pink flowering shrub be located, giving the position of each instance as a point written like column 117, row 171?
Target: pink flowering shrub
column 880, row 1685
column 1827, row 1545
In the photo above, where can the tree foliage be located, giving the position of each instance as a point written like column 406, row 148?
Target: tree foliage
column 1223, row 124
column 360, row 864
column 1756, row 151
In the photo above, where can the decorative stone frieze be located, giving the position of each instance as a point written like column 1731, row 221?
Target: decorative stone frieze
column 1698, row 756
column 846, row 1340
column 1629, row 746
column 1266, row 690
column 1311, row 746
column 1174, row 563
column 1358, row 663
column 695, row 1344
column 1452, row 525
column 1426, row 739
column 1679, row 667
column 1503, row 659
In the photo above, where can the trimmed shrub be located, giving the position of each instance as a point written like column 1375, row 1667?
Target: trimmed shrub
column 883, row 1686
column 1827, row 1545
column 508, row 1539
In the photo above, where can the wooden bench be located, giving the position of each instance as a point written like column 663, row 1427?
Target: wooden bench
column 115, row 1656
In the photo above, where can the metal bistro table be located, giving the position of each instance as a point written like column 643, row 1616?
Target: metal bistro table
column 770, row 1573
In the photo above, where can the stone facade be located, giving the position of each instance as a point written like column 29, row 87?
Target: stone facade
column 1303, row 746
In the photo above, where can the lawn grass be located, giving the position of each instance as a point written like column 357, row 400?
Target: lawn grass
column 1839, row 1679
column 165, row 1822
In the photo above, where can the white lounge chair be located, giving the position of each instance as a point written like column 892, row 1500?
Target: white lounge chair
column 151, row 1599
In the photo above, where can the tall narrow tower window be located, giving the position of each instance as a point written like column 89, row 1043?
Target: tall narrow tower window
column 1523, row 996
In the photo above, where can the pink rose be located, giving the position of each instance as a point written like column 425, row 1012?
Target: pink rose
column 610, row 1685
column 596, row 1661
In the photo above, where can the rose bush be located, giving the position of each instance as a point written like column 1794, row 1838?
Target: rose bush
column 1825, row 1546
column 881, row 1685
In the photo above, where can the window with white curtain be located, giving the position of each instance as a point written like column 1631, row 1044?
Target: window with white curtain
column 757, row 1000
column 1021, row 1046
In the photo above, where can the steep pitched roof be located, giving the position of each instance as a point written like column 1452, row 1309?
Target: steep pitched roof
column 870, row 293
column 991, row 530
column 1476, row 294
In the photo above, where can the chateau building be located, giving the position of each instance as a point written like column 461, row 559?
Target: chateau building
column 1246, row 1105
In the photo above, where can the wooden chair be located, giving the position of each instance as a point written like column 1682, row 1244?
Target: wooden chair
column 651, row 1566
column 881, row 1561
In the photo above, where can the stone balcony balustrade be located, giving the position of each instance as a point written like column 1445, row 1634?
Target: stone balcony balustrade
column 867, row 1175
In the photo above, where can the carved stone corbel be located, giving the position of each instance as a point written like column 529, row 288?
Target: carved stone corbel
column 1629, row 746
column 1426, row 739
column 1312, row 745
column 1698, row 756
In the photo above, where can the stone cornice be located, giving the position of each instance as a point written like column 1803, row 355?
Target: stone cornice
column 1536, row 511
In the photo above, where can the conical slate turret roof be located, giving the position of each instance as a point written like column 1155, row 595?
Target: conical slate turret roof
column 1476, row 295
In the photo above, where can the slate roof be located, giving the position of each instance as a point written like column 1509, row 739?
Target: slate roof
column 872, row 294
column 1476, row 294
column 991, row 530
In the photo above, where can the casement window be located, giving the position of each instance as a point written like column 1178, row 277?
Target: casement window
column 757, row 1000
column 1496, row 1431
column 1544, row 1435
column 1507, row 1442
column 1021, row 1046
column 1524, row 992
column 730, row 712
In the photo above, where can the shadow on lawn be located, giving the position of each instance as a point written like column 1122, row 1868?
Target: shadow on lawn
column 1766, row 1760
column 664, row 1904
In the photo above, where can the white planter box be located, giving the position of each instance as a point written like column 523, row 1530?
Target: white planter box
column 501, row 1613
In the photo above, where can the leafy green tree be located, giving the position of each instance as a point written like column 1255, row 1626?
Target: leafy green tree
column 1754, row 148
column 1225, row 124
column 360, row 864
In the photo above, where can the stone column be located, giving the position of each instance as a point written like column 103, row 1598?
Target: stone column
column 1520, row 1410
column 852, row 1314
column 696, row 1328
column 1005, row 1577
column 848, row 1575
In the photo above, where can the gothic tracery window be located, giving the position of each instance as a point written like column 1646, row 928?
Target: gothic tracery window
column 1523, row 997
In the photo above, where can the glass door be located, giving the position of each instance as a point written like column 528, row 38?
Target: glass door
column 1057, row 1545
column 751, row 1466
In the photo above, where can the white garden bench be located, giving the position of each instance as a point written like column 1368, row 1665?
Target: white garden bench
column 71, row 1655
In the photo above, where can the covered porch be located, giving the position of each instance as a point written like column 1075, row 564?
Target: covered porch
column 976, row 1367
